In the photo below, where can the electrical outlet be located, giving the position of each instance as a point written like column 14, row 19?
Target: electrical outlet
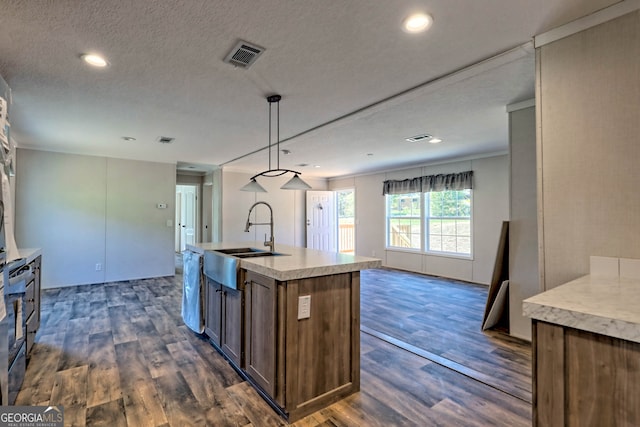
column 98, row 267
column 304, row 307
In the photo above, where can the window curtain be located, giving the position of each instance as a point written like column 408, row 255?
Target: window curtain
column 429, row 183
column 404, row 186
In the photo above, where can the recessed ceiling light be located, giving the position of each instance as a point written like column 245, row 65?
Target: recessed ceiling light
column 128, row 138
column 286, row 152
column 94, row 60
column 303, row 165
column 417, row 23
column 435, row 140
column 369, row 154
column 316, row 166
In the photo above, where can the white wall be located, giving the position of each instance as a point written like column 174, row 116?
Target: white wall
column 490, row 208
column 86, row 210
column 288, row 209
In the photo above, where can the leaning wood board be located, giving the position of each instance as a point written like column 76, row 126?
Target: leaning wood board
column 500, row 275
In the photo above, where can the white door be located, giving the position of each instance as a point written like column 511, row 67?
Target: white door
column 321, row 220
column 187, row 211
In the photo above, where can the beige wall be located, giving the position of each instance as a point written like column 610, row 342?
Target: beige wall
column 87, row 210
column 523, row 225
column 588, row 95
column 490, row 208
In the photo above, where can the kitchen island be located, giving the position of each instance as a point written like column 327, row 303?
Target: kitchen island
column 586, row 353
column 292, row 324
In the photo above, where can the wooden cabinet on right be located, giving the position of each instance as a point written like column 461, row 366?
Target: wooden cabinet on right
column 302, row 339
column 261, row 299
column 582, row 378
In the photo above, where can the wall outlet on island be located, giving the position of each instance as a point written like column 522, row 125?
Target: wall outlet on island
column 373, row 253
column 98, row 267
column 304, row 307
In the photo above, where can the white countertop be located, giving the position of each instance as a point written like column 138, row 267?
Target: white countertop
column 298, row 262
column 607, row 306
column 29, row 253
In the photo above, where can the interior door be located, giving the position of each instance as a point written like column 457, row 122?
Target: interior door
column 321, row 220
column 187, row 214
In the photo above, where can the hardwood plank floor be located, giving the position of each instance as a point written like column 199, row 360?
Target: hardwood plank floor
column 118, row 354
column 443, row 318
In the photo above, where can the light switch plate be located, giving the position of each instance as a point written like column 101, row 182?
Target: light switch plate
column 304, row 307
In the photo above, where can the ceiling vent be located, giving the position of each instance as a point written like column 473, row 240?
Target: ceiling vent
column 244, row 54
column 419, row 138
column 165, row 139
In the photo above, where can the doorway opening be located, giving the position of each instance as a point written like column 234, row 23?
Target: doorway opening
column 346, row 221
column 186, row 216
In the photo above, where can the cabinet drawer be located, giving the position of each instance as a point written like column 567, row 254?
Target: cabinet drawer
column 30, row 296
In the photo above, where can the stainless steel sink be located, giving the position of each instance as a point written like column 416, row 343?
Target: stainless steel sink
column 233, row 251
column 222, row 265
column 256, row 254
column 222, row 268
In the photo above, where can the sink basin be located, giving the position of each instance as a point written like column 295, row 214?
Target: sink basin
column 233, row 251
column 256, row 254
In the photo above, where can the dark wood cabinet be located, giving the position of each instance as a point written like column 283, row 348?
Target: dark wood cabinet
column 301, row 362
column 32, row 303
column 582, row 378
column 231, row 328
column 213, row 318
column 223, row 319
column 261, row 298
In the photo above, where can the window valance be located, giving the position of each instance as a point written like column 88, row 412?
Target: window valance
column 429, row 183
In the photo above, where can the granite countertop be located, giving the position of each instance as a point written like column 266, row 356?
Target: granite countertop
column 297, row 263
column 607, row 306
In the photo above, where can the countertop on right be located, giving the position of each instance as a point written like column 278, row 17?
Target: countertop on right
column 603, row 305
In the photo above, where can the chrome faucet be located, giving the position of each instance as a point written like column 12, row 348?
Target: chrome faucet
column 270, row 243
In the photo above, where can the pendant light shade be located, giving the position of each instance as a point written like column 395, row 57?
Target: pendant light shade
column 295, row 183
column 254, row 187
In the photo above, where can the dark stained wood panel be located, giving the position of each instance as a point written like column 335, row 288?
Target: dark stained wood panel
column 602, row 380
column 549, row 367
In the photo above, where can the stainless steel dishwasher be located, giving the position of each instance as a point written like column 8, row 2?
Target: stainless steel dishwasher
column 193, row 291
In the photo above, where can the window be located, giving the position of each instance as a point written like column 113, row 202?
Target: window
column 404, row 220
column 448, row 222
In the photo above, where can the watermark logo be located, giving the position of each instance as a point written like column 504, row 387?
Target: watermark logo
column 31, row 416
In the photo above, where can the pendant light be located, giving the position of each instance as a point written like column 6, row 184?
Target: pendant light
column 295, row 183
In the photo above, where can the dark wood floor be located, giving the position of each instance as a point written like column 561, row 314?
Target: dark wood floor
column 119, row 354
column 441, row 319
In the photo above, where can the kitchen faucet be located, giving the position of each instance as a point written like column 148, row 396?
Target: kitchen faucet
column 270, row 243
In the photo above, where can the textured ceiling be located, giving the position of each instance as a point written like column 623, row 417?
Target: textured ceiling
column 354, row 85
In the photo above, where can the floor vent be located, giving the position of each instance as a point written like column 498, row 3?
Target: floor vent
column 165, row 139
column 244, row 54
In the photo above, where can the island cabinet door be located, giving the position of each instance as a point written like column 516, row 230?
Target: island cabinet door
column 260, row 330
column 231, row 331
column 213, row 318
